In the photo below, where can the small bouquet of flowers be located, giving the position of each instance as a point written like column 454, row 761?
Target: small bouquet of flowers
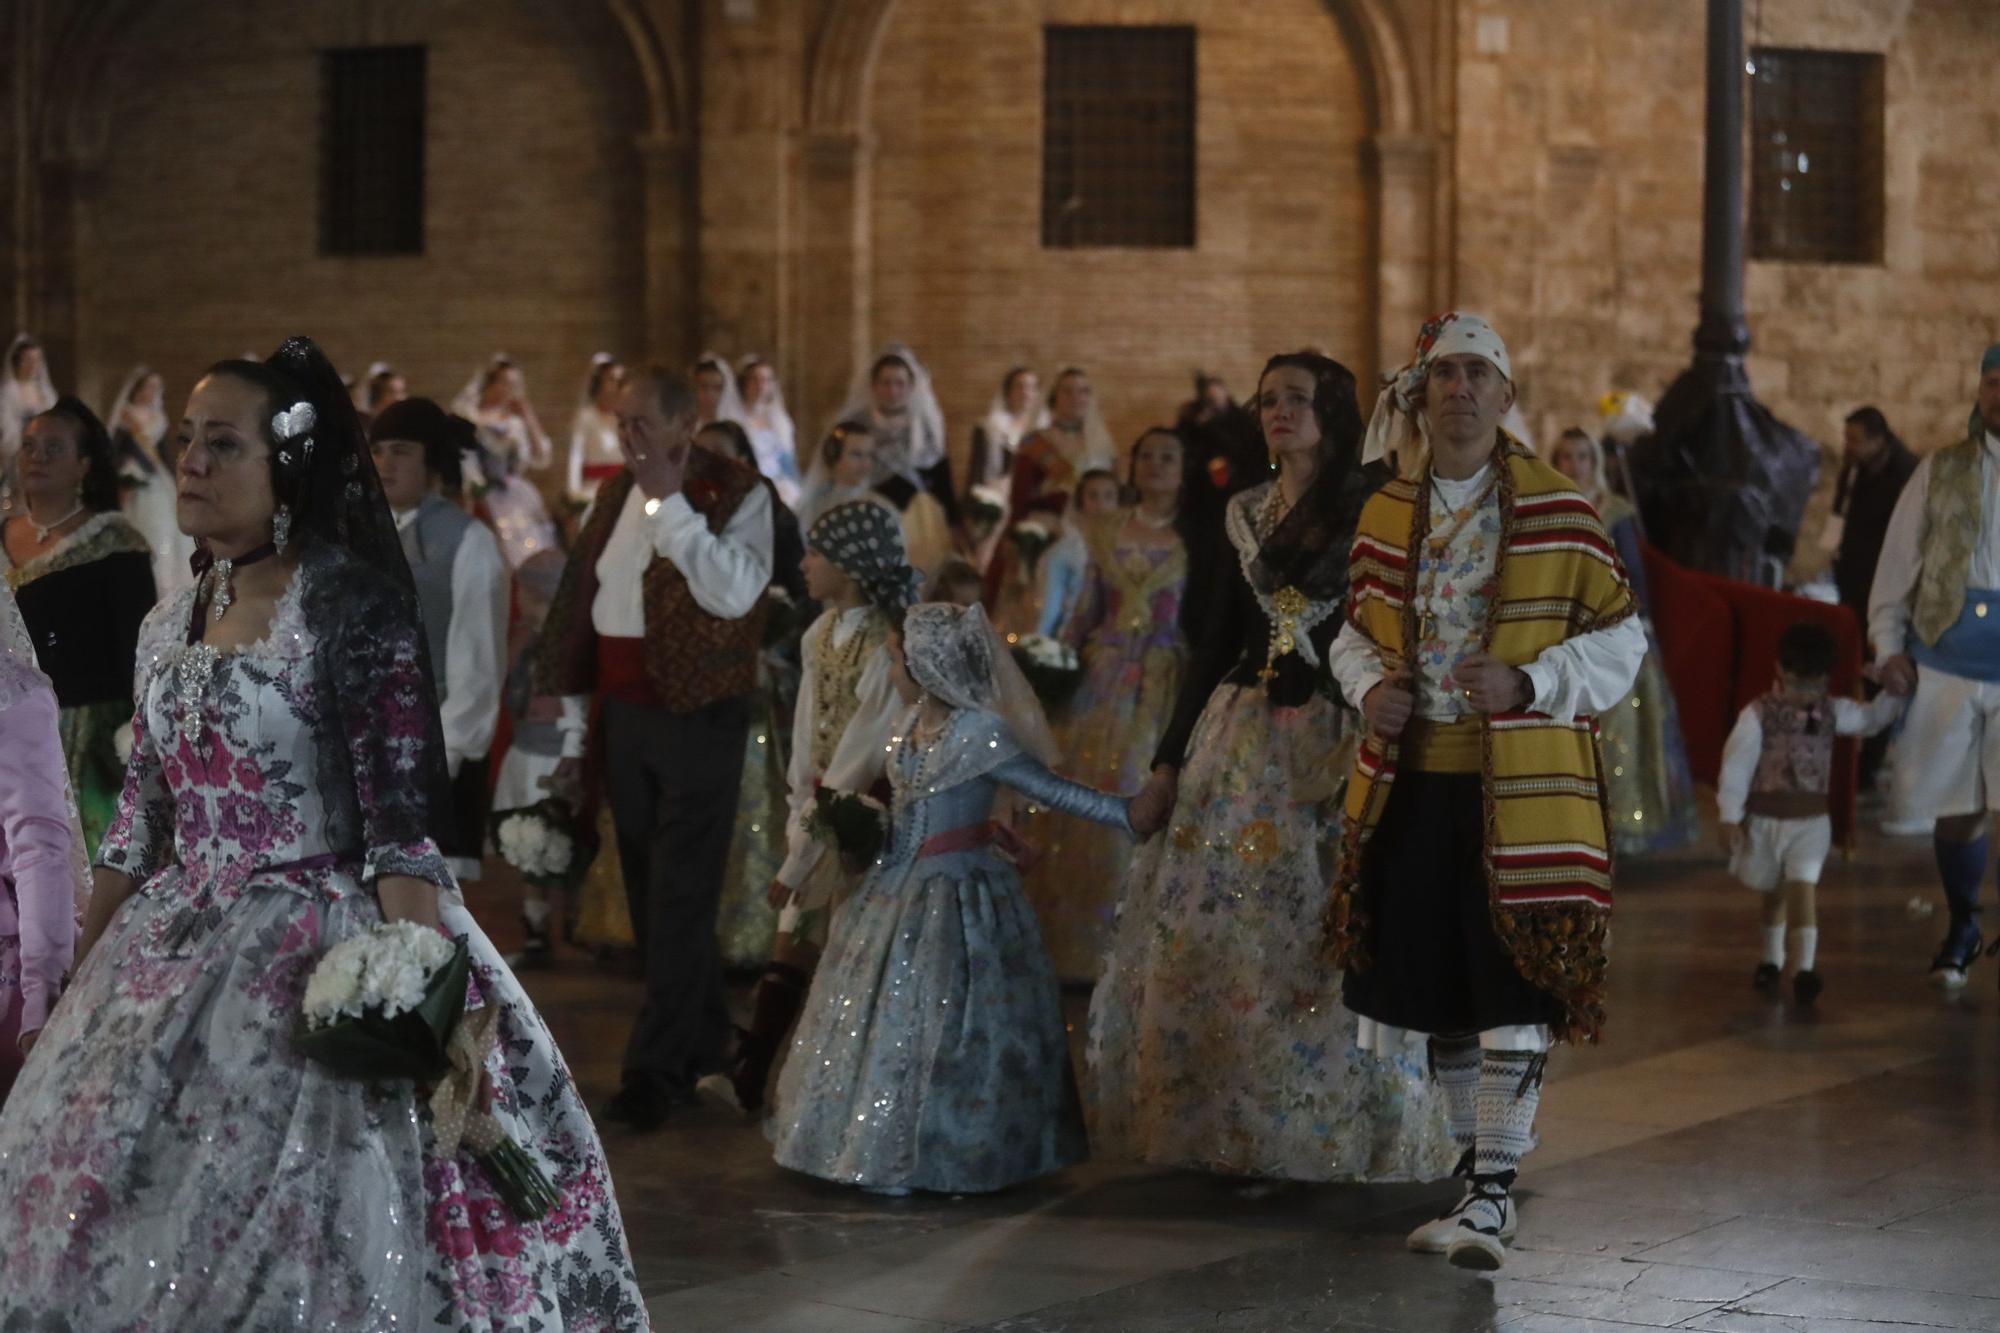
column 1031, row 537
column 543, row 843
column 1051, row 666
column 985, row 507
column 856, row 826
column 390, row 1005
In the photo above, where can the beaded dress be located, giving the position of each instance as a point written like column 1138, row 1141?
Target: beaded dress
column 170, row 1160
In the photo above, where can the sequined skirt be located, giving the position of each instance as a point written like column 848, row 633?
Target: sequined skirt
column 1217, row 1036
column 171, row 1162
column 932, row 1053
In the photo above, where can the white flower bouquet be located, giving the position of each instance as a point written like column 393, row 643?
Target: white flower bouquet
column 540, row 842
column 1051, row 666
column 1031, row 537
column 390, row 1005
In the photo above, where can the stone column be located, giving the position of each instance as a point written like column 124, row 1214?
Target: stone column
column 671, row 293
column 1407, row 290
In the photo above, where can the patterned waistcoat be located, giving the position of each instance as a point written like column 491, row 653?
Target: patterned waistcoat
column 1797, row 758
column 692, row 658
column 1952, row 519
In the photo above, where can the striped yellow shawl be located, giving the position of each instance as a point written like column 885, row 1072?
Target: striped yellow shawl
column 1548, row 843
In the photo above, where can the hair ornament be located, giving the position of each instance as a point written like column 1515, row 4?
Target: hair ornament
column 294, row 421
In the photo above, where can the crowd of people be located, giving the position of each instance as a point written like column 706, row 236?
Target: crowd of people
column 1305, row 732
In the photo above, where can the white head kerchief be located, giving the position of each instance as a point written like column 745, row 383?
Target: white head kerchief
column 926, row 417
column 1397, row 429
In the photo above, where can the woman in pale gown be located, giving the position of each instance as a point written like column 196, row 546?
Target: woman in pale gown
column 1126, row 628
column 511, row 443
column 138, row 424
column 1217, row 1036
column 594, row 453
column 1016, row 412
column 1650, row 789
column 773, row 438
column 893, row 397
column 25, row 392
column 171, row 1160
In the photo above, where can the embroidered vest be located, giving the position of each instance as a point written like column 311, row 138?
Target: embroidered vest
column 836, row 674
column 1797, row 757
column 1951, row 530
column 692, row 658
column 430, row 544
column 1548, row 839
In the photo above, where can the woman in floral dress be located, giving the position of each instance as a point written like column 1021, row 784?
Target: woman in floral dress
column 1217, row 1037
column 171, row 1160
column 1126, row 628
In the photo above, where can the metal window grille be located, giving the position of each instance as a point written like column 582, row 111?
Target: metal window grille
column 1816, row 156
column 1118, row 125
column 371, row 180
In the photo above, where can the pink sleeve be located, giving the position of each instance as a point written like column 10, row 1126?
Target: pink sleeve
column 34, row 847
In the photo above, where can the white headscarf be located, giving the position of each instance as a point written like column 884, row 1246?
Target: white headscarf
column 1099, row 449
column 154, row 418
column 730, row 408
column 927, row 443
column 17, row 644
column 956, row 655
column 598, row 361
column 21, row 399
column 510, row 439
column 1398, row 428
column 772, row 434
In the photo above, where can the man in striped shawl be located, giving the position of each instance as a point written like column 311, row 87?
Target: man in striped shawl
column 1488, row 617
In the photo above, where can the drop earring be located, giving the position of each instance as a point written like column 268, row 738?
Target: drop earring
column 281, row 527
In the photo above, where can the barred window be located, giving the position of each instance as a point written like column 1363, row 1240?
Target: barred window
column 1118, row 127
column 371, row 178
column 1816, row 156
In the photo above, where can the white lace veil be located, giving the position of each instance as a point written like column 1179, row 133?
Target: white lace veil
column 155, row 416
column 774, row 406
column 18, row 402
column 16, row 643
column 1005, row 429
column 730, row 408
column 956, row 655
column 584, row 398
column 927, row 443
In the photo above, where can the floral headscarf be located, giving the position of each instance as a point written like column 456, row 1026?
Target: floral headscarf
column 1397, row 429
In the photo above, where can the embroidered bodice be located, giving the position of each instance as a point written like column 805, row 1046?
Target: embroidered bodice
column 309, row 746
column 1797, row 756
column 951, row 783
column 845, row 643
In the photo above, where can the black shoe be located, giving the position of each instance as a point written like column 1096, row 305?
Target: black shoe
column 1806, row 986
column 1958, row 952
column 639, row 1106
column 1765, row 977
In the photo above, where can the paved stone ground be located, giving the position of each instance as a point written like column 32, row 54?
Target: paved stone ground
column 1723, row 1162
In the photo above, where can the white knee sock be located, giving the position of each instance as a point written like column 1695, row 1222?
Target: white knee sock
column 1774, row 945
column 1805, row 947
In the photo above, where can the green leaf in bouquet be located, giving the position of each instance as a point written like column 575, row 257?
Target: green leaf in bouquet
column 856, row 827
column 412, row 1045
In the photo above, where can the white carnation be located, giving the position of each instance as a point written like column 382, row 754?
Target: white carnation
column 388, row 969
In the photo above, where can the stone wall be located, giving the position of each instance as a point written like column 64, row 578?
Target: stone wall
column 198, row 236
column 1578, row 209
column 959, row 271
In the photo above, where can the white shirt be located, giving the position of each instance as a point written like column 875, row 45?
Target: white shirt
column 860, row 753
column 475, row 645
column 1895, row 585
column 1745, row 746
column 593, row 440
column 726, row 572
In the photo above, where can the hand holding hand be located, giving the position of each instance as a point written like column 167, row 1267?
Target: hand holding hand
column 1491, row 685
column 777, row 894
column 1388, row 706
column 1898, row 675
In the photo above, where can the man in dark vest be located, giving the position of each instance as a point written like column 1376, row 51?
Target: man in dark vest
column 659, row 619
column 462, row 589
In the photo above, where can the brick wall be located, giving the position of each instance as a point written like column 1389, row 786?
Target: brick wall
column 199, row 239
column 959, row 271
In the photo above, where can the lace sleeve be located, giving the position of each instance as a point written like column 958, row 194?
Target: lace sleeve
column 140, row 840
column 388, row 718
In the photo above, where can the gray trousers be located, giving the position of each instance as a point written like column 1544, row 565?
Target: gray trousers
column 672, row 780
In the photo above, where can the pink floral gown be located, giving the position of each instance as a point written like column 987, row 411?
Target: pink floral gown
column 167, row 1159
